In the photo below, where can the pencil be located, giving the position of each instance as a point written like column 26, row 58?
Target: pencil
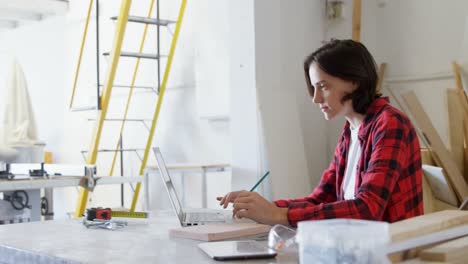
column 260, row 181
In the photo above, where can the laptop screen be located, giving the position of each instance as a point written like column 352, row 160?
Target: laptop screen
column 168, row 183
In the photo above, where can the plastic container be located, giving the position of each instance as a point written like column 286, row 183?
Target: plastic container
column 282, row 237
column 342, row 241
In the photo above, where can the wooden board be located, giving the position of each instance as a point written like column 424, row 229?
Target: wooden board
column 441, row 205
column 221, row 231
column 357, row 20
column 457, row 75
column 455, row 251
column 426, row 157
column 381, row 77
column 439, row 152
column 456, row 134
column 426, row 224
column 411, row 248
column 428, row 198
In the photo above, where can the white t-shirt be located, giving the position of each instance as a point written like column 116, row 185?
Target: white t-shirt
column 354, row 154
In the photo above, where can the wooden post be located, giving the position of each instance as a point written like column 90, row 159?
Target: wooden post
column 357, row 20
column 456, row 134
column 463, row 100
column 382, row 68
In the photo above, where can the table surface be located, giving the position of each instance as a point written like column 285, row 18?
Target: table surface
column 142, row 241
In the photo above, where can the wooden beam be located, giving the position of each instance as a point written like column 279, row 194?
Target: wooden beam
column 457, row 75
column 426, row 224
column 357, row 20
column 382, row 69
column 456, row 135
column 428, row 197
column 426, row 157
column 410, row 249
column 435, row 144
column 455, row 251
column 463, row 100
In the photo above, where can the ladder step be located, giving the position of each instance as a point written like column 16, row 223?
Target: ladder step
column 135, row 86
column 113, row 150
column 121, row 119
column 145, row 20
column 83, row 108
column 138, row 55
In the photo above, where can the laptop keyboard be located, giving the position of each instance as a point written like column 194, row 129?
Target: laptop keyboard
column 195, row 217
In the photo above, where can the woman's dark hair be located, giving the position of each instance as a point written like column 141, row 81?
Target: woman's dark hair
column 350, row 61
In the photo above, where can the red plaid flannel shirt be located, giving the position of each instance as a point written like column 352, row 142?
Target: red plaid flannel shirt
column 389, row 175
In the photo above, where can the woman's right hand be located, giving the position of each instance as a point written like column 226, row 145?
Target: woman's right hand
column 228, row 198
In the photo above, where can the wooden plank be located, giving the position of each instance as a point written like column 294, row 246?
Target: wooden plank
column 456, row 134
column 441, row 205
column 463, row 100
column 465, row 154
column 426, row 224
column 426, row 157
column 435, row 144
column 411, row 248
column 457, row 75
column 428, row 198
column 381, row 77
column 357, row 20
column 455, row 251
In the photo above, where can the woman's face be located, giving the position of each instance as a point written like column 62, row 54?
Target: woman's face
column 328, row 92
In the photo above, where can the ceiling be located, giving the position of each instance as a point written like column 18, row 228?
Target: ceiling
column 15, row 13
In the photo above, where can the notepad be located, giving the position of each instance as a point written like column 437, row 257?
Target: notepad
column 219, row 231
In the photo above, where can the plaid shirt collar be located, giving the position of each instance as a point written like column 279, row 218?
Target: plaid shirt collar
column 377, row 105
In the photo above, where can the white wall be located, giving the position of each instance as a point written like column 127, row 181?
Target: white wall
column 415, row 39
column 423, row 40
column 286, row 32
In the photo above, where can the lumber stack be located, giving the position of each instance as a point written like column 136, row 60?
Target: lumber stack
column 441, row 235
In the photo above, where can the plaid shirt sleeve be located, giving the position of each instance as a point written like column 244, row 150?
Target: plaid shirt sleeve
column 389, row 156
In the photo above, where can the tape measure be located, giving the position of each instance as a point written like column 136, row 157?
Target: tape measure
column 129, row 214
column 106, row 214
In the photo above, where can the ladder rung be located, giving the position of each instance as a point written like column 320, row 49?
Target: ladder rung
column 135, row 86
column 83, row 108
column 138, row 55
column 121, row 119
column 113, row 150
column 145, row 20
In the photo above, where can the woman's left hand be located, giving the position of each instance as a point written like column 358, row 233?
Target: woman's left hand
column 253, row 206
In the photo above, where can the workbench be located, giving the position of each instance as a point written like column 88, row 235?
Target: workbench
column 142, row 241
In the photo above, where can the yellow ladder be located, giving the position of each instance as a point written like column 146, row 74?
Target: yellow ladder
column 114, row 56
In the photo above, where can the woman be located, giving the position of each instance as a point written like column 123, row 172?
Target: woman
column 376, row 171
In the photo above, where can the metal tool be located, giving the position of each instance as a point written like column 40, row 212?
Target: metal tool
column 6, row 174
column 18, row 199
column 105, row 224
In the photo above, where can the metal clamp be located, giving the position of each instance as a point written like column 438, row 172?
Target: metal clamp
column 89, row 181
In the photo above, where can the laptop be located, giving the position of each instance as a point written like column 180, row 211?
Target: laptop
column 193, row 216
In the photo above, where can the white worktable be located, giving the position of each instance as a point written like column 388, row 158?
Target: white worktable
column 142, row 241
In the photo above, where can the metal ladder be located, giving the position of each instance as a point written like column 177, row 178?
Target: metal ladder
column 104, row 99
